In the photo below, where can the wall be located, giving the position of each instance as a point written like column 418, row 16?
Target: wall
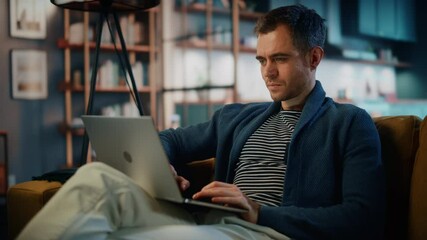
column 35, row 145
column 412, row 83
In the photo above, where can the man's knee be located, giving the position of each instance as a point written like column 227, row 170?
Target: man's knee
column 100, row 174
column 92, row 167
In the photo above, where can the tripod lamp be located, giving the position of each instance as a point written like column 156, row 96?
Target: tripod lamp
column 105, row 8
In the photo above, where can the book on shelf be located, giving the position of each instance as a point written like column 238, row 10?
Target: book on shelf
column 110, row 75
column 76, row 33
column 127, row 109
column 138, row 73
column 106, row 35
column 138, row 32
column 132, row 30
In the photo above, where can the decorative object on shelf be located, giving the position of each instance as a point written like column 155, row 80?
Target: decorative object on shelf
column 105, row 8
column 29, row 74
column 27, row 19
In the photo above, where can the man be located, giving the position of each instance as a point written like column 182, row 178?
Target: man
column 302, row 166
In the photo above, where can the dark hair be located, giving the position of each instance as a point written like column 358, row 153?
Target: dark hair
column 307, row 27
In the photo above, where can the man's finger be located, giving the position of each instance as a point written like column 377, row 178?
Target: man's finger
column 183, row 183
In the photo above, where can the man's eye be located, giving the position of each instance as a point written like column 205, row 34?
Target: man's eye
column 262, row 61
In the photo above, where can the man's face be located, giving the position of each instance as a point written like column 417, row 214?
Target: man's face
column 287, row 72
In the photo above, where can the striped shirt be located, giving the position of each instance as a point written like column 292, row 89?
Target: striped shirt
column 260, row 172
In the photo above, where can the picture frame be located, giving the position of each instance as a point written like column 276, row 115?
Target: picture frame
column 29, row 74
column 27, row 19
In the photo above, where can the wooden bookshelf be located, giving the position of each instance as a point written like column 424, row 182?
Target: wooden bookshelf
column 147, row 53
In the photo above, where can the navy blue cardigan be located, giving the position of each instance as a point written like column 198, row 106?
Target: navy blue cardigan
column 334, row 186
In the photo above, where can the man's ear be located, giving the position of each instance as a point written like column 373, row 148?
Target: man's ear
column 315, row 56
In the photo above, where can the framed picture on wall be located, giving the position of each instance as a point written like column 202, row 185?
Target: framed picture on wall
column 27, row 19
column 29, row 74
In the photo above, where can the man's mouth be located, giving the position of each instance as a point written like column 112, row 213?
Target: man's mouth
column 273, row 85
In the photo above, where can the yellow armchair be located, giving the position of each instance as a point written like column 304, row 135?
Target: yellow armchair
column 404, row 150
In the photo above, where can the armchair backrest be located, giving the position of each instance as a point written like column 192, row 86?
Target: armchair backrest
column 418, row 196
column 399, row 137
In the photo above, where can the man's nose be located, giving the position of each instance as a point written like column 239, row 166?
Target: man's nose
column 270, row 70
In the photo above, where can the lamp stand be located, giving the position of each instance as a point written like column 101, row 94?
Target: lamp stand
column 125, row 65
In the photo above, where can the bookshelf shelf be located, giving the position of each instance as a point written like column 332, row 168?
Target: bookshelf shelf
column 119, row 89
column 63, row 43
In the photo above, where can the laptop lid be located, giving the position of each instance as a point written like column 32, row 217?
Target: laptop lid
column 132, row 146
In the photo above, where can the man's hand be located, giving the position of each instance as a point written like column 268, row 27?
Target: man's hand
column 183, row 183
column 230, row 195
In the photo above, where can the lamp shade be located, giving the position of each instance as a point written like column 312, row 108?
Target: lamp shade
column 110, row 5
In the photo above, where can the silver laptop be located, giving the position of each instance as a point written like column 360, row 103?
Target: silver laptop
column 132, row 146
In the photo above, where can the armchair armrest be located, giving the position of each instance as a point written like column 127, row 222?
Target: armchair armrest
column 25, row 199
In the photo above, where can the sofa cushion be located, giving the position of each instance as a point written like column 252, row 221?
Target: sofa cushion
column 399, row 144
column 418, row 195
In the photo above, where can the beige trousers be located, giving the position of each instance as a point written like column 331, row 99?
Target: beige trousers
column 99, row 202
